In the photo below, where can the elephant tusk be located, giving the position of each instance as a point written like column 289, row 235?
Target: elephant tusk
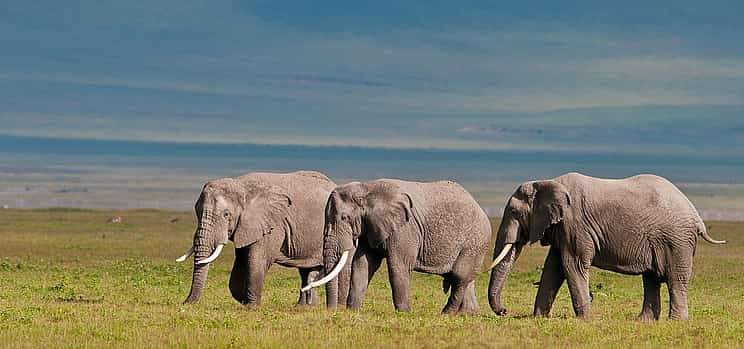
column 331, row 275
column 214, row 255
column 501, row 256
column 185, row 255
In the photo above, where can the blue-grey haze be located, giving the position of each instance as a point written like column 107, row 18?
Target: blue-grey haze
column 134, row 174
column 663, row 77
column 484, row 92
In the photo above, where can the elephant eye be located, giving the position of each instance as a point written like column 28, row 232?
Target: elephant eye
column 226, row 214
column 515, row 212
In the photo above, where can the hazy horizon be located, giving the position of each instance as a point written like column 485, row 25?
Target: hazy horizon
column 50, row 172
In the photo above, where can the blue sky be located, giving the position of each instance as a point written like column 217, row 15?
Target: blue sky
column 629, row 77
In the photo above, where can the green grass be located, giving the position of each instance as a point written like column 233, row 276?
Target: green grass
column 70, row 279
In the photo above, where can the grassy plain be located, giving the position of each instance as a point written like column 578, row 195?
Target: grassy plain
column 70, row 279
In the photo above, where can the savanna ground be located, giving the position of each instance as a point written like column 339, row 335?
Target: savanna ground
column 70, row 279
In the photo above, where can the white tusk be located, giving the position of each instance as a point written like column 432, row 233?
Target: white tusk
column 185, row 255
column 331, row 275
column 501, row 256
column 214, row 255
column 356, row 242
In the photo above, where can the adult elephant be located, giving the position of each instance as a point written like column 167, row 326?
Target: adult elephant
column 435, row 228
column 271, row 218
column 638, row 225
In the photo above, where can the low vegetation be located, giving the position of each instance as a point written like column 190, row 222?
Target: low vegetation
column 75, row 278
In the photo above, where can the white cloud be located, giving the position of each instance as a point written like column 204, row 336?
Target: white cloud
column 664, row 67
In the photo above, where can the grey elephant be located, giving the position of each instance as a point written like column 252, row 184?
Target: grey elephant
column 637, row 225
column 435, row 228
column 271, row 218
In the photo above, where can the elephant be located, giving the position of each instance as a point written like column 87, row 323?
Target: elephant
column 637, row 225
column 434, row 227
column 271, row 218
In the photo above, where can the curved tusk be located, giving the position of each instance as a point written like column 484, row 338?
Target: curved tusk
column 501, row 256
column 214, row 255
column 331, row 275
column 185, row 255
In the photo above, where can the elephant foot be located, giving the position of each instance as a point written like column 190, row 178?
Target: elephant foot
column 678, row 317
column 469, row 309
column 307, row 300
column 541, row 313
column 583, row 315
column 352, row 304
column 449, row 309
column 647, row 317
column 250, row 303
column 304, row 305
column 465, row 307
column 251, row 306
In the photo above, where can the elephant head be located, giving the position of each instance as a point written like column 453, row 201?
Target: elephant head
column 533, row 209
column 229, row 209
column 370, row 212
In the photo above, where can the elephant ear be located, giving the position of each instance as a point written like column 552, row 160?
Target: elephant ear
column 265, row 211
column 549, row 206
column 390, row 213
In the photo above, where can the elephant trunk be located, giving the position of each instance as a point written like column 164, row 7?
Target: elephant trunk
column 333, row 265
column 332, row 294
column 330, row 258
column 344, row 280
column 203, row 248
column 498, row 278
column 197, row 284
column 508, row 245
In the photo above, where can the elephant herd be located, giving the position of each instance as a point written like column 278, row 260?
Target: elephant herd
column 337, row 236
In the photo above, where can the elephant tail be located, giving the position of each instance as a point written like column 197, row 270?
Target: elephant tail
column 702, row 231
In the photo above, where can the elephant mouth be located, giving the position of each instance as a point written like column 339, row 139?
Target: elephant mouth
column 501, row 256
column 213, row 256
column 210, row 259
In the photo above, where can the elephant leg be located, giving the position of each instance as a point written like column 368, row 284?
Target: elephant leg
column 456, row 298
column 304, row 273
column 364, row 267
column 550, row 282
column 247, row 276
column 462, row 279
column 678, row 280
column 313, row 297
column 308, row 297
column 677, row 300
column 470, row 302
column 651, row 299
column 577, row 276
column 400, row 275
